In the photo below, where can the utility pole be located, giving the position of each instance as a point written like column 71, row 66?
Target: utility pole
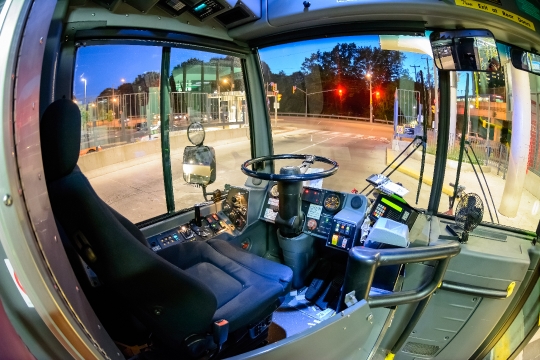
column 368, row 75
column 414, row 66
column 428, row 86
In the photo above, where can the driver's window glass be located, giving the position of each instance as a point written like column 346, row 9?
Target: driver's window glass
column 117, row 90
column 324, row 87
column 493, row 134
column 208, row 88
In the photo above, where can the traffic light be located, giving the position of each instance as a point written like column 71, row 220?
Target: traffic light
column 279, row 97
column 377, row 95
column 274, row 86
column 293, row 89
column 340, row 91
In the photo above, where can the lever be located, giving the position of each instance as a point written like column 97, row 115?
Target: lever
column 198, row 219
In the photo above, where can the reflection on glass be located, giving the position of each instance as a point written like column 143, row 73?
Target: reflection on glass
column 467, row 50
column 199, row 165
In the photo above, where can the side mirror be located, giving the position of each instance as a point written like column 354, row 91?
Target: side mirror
column 465, row 50
column 525, row 61
column 199, row 165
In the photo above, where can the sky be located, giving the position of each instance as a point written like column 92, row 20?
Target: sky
column 289, row 59
column 104, row 66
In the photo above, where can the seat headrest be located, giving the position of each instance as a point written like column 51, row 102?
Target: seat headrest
column 60, row 132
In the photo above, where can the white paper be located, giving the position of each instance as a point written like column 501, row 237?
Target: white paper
column 314, row 211
column 273, row 202
column 316, row 184
column 270, row 214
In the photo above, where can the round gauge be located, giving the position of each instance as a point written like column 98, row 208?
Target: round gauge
column 312, row 224
column 331, row 203
column 274, row 191
column 195, row 133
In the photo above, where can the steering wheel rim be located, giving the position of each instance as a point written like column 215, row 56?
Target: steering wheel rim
column 289, row 177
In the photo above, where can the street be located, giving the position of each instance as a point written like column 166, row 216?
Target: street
column 359, row 148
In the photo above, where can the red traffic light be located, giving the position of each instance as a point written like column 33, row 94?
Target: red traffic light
column 340, row 91
column 377, row 95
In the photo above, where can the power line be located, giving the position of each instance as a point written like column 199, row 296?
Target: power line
column 414, row 66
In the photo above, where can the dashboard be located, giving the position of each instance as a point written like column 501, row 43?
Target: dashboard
column 333, row 216
column 341, row 220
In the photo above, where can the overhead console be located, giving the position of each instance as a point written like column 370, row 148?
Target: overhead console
column 229, row 13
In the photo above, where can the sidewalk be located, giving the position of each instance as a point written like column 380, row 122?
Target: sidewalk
column 528, row 213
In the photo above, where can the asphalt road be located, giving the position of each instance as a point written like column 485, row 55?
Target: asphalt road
column 359, row 148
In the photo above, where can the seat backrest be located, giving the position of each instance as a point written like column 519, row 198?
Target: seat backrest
column 169, row 301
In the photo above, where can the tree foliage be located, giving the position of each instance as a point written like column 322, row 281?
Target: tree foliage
column 344, row 67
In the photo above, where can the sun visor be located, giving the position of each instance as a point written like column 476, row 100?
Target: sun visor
column 415, row 44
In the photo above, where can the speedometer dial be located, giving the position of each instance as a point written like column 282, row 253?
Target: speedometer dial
column 274, row 191
column 331, row 202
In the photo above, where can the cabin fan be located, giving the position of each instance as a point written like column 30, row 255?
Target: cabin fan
column 469, row 213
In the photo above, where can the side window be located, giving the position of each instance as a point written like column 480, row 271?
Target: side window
column 208, row 88
column 501, row 144
column 117, row 88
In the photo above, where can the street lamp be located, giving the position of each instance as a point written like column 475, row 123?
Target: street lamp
column 85, row 103
column 368, row 76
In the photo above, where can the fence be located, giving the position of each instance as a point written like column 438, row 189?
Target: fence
column 339, row 117
column 492, row 153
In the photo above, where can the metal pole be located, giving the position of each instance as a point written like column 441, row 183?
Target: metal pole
column 370, row 102
column 306, row 103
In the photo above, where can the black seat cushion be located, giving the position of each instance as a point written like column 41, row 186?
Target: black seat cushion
column 245, row 285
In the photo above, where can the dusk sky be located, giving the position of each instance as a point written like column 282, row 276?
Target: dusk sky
column 104, row 66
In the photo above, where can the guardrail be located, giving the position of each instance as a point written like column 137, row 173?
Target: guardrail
column 339, row 117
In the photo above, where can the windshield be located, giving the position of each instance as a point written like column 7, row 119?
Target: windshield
column 339, row 98
column 363, row 100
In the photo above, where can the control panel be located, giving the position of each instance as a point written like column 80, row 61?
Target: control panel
column 235, row 206
column 342, row 236
column 211, row 225
column 319, row 206
column 393, row 208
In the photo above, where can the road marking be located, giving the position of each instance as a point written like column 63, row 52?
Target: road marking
column 307, row 147
column 371, row 137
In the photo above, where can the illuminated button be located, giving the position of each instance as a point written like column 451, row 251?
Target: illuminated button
column 215, row 217
column 347, row 230
column 335, row 238
column 337, row 227
column 344, row 243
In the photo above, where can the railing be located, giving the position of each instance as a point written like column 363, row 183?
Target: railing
column 339, row 117
column 492, row 153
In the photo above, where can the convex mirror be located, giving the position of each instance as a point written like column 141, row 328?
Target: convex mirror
column 525, row 60
column 199, row 164
column 465, row 50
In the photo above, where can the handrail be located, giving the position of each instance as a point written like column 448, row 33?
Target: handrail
column 363, row 262
column 339, row 117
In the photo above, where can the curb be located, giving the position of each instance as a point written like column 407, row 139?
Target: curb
column 416, row 175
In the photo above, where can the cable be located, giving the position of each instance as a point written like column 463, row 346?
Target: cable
column 489, row 191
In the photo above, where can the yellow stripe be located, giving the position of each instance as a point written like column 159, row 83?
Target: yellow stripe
column 497, row 11
column 416, row 175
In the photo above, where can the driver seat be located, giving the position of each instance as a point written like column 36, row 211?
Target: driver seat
column 181, row 292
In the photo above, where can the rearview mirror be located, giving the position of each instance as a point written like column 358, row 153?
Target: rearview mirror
column 465, row 50
column 199, row 165
column 525, row 60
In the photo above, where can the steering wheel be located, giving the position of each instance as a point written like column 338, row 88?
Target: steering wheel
column 290, row 177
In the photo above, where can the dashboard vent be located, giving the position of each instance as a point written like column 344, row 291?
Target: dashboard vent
column 234, row 15
column 420, row 349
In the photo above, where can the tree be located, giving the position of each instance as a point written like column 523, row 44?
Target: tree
column 346, row 66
